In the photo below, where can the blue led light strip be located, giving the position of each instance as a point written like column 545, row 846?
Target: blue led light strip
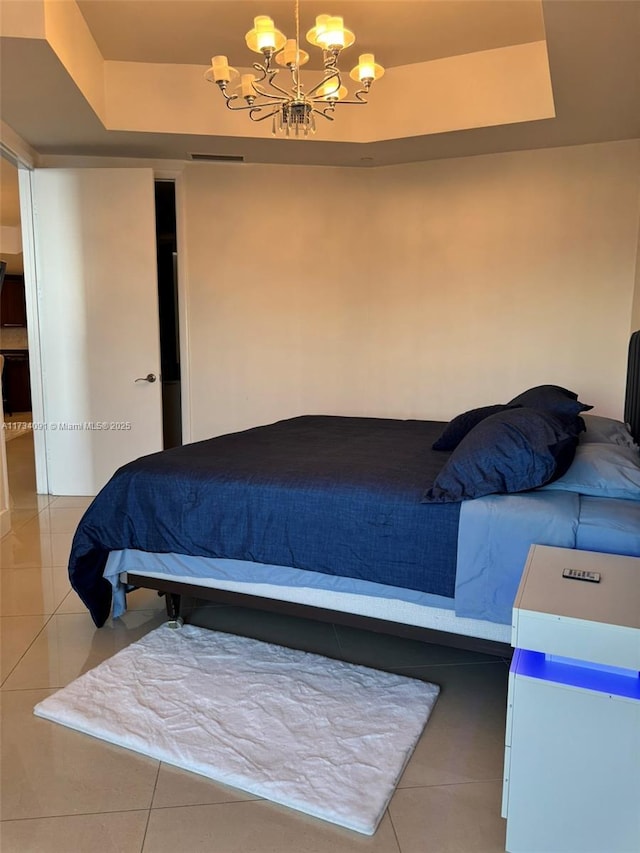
column 536, row 665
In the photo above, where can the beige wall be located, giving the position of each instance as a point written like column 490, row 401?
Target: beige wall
column 409, row 291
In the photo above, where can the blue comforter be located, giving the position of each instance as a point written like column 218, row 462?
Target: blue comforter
column 327, row 494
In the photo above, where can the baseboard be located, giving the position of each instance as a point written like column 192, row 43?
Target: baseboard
column 5, row 522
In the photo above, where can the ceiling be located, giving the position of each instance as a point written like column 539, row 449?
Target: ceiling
column 400, row 32
column 593, row 65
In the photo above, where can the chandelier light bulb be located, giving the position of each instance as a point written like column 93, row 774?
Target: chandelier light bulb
column 331, row 91
column 246, row 86
column 320, row 27
column 264, row 37
column 265, row 33
column 221, row 72
column 290, row 52
column 367, row 70
column 333, row 37
column 291, row 55
column 366, row 67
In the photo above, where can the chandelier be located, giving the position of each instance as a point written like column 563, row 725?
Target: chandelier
column 293, row 109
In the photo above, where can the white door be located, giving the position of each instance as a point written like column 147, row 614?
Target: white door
column 98, row 317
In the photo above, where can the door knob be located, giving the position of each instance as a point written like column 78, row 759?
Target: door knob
column 150, row 377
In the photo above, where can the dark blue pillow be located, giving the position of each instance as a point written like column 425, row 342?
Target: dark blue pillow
column 551, row 398
column 462, row 424
column 511, row 451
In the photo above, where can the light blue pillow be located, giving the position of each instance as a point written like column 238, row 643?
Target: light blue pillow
column 603, row 471
column 606, row 430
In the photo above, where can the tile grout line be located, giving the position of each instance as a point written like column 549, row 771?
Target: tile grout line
column 21, row 658
column 449, row 784
column 393, row 827
column 45, row 687
column 153, row 794
column 70, row 814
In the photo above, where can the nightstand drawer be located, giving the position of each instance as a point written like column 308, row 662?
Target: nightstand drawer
column 595, row 622
column 611, row 645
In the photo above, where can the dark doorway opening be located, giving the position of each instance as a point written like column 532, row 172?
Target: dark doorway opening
column 167, row 249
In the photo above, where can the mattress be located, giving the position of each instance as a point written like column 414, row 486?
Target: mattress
column 495, row 534
column 327, row 494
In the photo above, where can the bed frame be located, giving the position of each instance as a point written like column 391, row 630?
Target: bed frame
column 174, row 591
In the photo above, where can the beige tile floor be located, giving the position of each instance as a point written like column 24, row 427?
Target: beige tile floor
column 63, row 791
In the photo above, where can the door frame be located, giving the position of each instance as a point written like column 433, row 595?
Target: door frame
column 36, row 369
column 19, row 153
column 176, row 175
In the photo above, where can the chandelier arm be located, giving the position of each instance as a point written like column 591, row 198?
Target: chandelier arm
column 281, row 99
column 335, row 75
column 263, row 69
column 284, row 92
column 358, row 103
column 360, row 95
column 239, row 109
column 261, row 118
column 329, row 59
column 229, row 98
column 323, row 113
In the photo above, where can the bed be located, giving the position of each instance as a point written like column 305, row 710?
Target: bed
column 360, row 521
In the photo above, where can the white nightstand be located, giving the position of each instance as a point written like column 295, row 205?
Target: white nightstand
column 572, row 754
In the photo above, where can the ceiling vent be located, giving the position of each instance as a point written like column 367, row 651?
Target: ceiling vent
column 218, row 158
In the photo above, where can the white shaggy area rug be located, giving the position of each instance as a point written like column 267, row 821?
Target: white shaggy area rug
column 321, row 736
